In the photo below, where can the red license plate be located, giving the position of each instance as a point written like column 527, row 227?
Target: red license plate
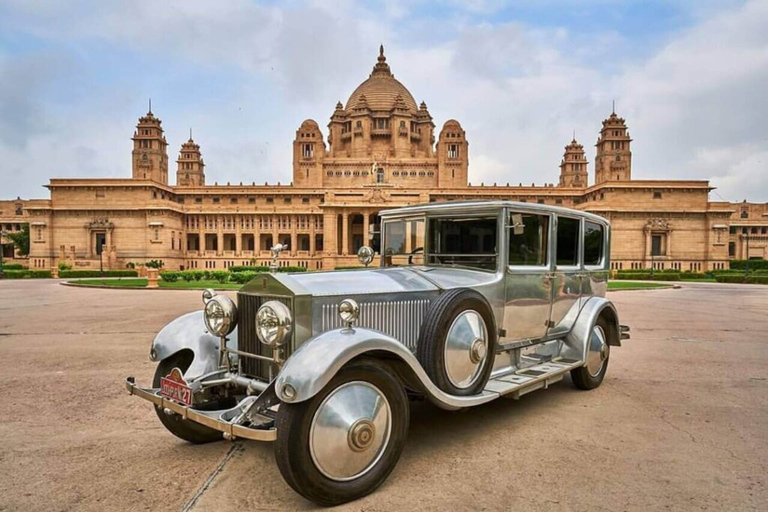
column 170, row 387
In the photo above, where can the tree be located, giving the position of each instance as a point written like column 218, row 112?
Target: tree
column 21, row 240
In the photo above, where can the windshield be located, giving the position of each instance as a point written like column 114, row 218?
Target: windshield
column 403, row 242
column 466, row 242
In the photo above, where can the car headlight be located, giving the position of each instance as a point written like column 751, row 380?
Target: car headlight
column 273, row 323
column 349, row 311
column 220, row 315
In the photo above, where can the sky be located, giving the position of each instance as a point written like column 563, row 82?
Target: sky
column 690, row 77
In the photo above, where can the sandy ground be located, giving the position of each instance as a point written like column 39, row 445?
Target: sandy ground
column 680, row 423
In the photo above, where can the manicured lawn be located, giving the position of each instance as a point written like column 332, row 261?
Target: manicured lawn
column 635, row 285
column 142, row 282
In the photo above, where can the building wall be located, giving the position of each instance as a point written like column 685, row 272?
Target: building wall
column 380, row 153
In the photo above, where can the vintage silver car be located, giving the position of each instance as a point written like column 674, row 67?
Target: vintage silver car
column 472, row 301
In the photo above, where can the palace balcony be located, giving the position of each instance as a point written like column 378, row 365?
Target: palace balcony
column 381, row 132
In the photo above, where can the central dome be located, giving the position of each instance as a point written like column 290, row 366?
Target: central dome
column 381, row 90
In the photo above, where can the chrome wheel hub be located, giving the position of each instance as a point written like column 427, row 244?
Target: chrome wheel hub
column 598, row 351
column 350, row 431
column 466, row 347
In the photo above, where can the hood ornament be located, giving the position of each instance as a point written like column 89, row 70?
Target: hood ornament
column 276, row 250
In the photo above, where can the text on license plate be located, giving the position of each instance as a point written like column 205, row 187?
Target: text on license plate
column 175, row 391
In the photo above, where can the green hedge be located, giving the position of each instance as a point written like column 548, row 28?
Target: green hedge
column 243, row 277
column 170, row 275
column 292, row 269
column 756, row 279
column 246, row 268
column 640, row 275
column 14, row 266
column 753, row 264
column 26, row 274
column 97, row 273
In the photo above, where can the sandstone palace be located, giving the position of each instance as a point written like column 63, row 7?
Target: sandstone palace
column 381, row 151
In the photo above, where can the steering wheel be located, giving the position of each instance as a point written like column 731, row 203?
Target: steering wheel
column 410, row 254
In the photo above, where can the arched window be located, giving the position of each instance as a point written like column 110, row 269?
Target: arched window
column 379, row 175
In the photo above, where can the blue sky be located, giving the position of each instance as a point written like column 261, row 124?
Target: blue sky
column 689, row 77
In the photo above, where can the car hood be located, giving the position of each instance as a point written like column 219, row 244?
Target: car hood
column 367, row 281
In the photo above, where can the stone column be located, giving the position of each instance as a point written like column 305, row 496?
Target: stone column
column 275, row 231
column 220, row 235
column 201, row 234
column 256, row 236
column 312, row 248
column 366, row 228
column 345, row 234
column 294, row 239
column 238, row 235
column 330, row 221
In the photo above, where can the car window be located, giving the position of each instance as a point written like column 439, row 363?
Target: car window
column 567, row 241
column 404, row 242
column 528, row 238
column 593, row 243
column 468, row 242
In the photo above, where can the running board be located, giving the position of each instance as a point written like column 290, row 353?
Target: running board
column 520, row 382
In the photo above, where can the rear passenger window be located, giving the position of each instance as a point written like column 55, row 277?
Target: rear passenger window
column 567, row 241
column 593, row 243
column 528, row 238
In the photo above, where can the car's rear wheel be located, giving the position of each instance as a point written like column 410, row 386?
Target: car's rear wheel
column 457, row 342
column 342, row 443
column 591, row 375
column 175, row 424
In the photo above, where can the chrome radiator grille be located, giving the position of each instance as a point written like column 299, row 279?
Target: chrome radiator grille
column 399, row 319
column 247, row 341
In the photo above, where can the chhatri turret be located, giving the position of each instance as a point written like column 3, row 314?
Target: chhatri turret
column 190, row 170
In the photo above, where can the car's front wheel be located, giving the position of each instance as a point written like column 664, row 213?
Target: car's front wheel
column 342, row 443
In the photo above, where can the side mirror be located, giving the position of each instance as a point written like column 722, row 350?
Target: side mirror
column 365, row 255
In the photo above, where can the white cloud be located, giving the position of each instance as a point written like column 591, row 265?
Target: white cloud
column 695, row 106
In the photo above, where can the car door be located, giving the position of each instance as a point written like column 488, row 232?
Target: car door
column 528, row 283
column 566, row 285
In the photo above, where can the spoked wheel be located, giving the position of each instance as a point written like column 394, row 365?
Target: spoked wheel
column 591, row 375
column 343, row 443
column 176, row 425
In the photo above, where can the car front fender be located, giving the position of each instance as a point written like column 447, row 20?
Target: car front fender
column 188, row 332
column 314, row 364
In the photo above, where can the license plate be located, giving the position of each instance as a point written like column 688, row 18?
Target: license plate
column 174, row 387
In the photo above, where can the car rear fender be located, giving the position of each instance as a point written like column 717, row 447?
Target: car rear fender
column 576, row 342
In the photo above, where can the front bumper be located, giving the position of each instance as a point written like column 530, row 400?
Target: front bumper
column 223, row 421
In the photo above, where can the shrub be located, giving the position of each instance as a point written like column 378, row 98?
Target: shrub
column 97, row 273
column 242, row 277
column 693, row 275
column 63, row 265
column 26, row 274
column 758, row 279
column 154, row 264
column 130, row 265
column 222, row 276
column 246, row 268
column 170, row 276
column 292, row 269
column 753, row 264
column 191, row 275
column 645, row 275
column 13, row 266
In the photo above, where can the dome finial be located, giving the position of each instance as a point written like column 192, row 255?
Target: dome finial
column 382, row 58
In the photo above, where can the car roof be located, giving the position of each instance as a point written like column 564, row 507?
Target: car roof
column 474, row 207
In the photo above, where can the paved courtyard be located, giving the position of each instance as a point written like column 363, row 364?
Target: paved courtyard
column 680, row 423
